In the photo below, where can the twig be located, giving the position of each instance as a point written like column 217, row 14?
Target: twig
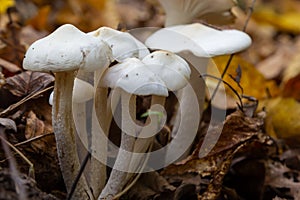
column 82, row 167
column 31, row 167
column 15, row 176
column 22, row 101
column 32, row 139
column 241, row 106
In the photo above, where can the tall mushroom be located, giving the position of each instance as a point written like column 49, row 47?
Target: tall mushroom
column 63, row 52
column 196, row 43
column 123, row 46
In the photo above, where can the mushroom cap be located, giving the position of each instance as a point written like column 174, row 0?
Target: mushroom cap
column 171, row 68
column 67, row 48
column 123, row 44
column 82, row 91
column 201, row 40
column 135, row 78
column 185, row 11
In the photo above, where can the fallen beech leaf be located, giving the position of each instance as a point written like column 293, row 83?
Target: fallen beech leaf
column 293, row 68
column 253, row 82
column 40, row 21
column 283, row 119
column 292, row 88
column 152, row 184
column 277, row 178
column 80, row 12
column 9, row 66
column 28, row 82
column 36, row 127
column 238, row 132
column 5, row 4
column 287, row 21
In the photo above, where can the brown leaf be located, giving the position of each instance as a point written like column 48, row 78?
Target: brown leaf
column 292, row 88
column 152, row 185
column 9, row 66
column 36, row 127
column 28, row 82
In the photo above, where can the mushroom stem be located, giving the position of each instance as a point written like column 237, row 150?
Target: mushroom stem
column 99, row 146
column 97, row 176
column 64, row 130
column 143, row 143
column 117, row 179
column 189, row 109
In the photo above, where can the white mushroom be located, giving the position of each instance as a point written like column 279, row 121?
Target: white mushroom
column 132, row 78
column 185, row 11
column 123, row 44
column 63, row 52
column 196, row 43
column 82, row 92
column 201, row 40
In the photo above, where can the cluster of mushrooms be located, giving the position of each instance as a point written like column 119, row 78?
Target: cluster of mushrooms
column 101, row 72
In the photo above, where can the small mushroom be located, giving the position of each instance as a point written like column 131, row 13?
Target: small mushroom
column 63, row 52
column 82, row 92
column 131, row 78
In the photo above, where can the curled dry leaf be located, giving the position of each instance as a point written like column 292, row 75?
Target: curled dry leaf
column 28, row 83
column 278, row 177
column 238, row 132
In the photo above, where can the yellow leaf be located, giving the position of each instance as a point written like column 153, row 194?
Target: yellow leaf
column 251, row 80
column 5, row 4
column 283, row 119
column 287, row 21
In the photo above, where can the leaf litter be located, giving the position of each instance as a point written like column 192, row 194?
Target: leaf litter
column 256, row 157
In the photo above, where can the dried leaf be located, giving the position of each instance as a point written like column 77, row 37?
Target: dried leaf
column 283, row 119
column 277, row 178
column 9, row 66
column 292, row 88
column 287, row 21
column 80, row 12
column 253, row 82
column 28, row 82
column 152, row 184
column 5, row 4
column 36, row 127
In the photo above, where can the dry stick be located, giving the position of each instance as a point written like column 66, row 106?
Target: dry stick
column 31, row 168
column 232, row 55
column 82, row 167
column 15, row 176
column 22, row 101
column 33, row 139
